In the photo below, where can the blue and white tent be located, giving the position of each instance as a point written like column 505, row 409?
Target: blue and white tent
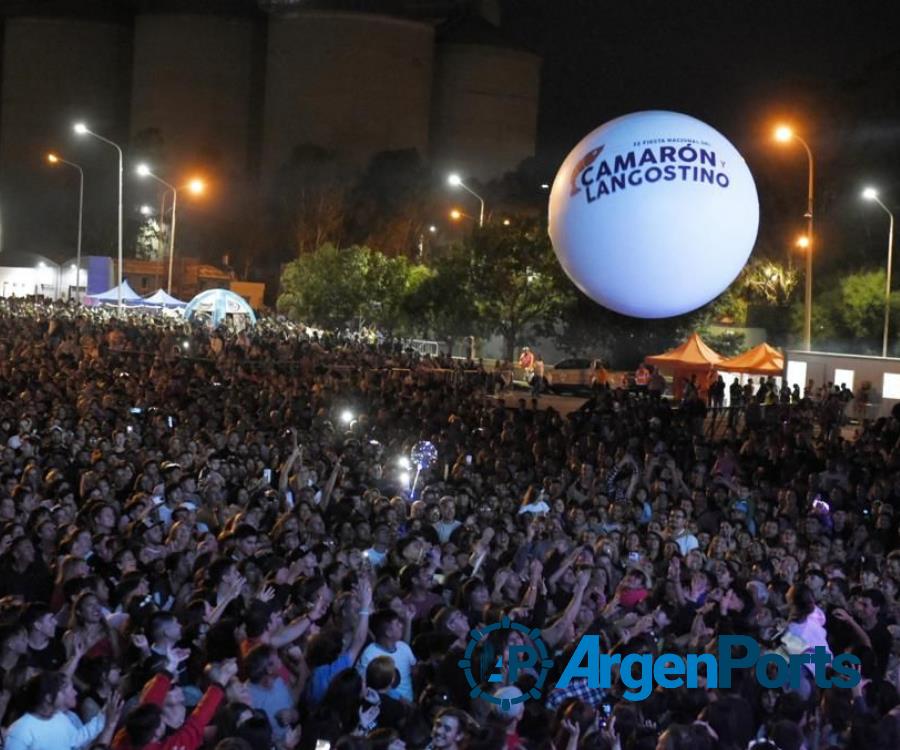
column 111, row 297
column 216, row 306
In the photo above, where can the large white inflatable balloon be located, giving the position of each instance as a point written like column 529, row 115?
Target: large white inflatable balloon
column 653, row 214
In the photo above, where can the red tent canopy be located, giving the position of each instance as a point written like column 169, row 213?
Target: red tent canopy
column 760, row 360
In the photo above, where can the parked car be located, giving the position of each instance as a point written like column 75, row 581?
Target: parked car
column 575, row 374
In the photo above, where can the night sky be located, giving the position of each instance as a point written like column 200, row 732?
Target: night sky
column 831, row 68
column 734, row 64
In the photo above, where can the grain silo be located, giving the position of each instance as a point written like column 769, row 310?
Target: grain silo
column 56, row 69
column 354, row 83
column 485, row 100
column 195, row 78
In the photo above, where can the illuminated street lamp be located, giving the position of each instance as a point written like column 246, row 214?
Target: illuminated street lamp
column 56, row 159
column 81, row 129
column 870, row 194
column 196, row 186
column 146, row 210
column 456, row 181
column 784, row 134
column 802, row 242
column 457, row 215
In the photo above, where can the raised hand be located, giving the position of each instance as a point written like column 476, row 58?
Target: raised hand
column 291, row 738
column 583, row 578
column 233, row 588
column 573, row 728
column 223, row 671
column 368, row 716
column 365, row 592
column 174, row 658
column 113, row 708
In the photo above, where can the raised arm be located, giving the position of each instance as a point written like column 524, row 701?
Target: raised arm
column 329, row 485
column 553, row 634
column 362, row 627
column 285, row 474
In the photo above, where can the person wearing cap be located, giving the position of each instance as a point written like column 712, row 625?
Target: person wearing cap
column 508, row 718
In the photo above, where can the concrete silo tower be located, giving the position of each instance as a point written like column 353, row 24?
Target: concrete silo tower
column 355, row 83
column 196, row 81
column 485, row 100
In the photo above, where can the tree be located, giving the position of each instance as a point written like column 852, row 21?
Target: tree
column 311, row 198
column 768, row 281
column 351, row 286
column 516, row 281
column 849, row 314
column 149, row 241
column 388, row 205
column 442, row 306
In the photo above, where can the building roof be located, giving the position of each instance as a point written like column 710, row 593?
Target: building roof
column 470, row 28
column 23, row 259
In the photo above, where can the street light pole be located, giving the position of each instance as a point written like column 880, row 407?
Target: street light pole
column 195, row 186
column 56, row 159
column 872, row 195
column 456, row 181
column 144, row 171
column 82, row 129
column 807, row 316
column 172, row 240
column 785, row 134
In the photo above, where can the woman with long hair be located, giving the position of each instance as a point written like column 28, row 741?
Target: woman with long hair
column 342, row 711
column 87, row 624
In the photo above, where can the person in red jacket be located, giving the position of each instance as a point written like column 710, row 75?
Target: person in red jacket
column 162, row 709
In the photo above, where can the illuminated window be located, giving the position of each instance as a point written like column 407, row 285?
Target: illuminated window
column 844, row 377
column 796, row 374
column 891, row 386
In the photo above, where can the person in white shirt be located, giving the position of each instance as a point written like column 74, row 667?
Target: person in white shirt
column 49, row 723
column 388, row 627
column 534, row 502
column 448, row 523
column 381, row 542
column 679, row 534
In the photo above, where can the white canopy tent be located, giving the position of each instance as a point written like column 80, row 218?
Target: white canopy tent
column 163, row 299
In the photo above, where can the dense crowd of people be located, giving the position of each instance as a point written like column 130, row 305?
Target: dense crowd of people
column 209, row 538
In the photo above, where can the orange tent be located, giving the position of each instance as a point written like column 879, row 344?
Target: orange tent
column 693, row 357
column 693, row 354
column 760, row 360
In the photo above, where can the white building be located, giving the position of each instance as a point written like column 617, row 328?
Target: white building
column 882, row 374
column 25, row 274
